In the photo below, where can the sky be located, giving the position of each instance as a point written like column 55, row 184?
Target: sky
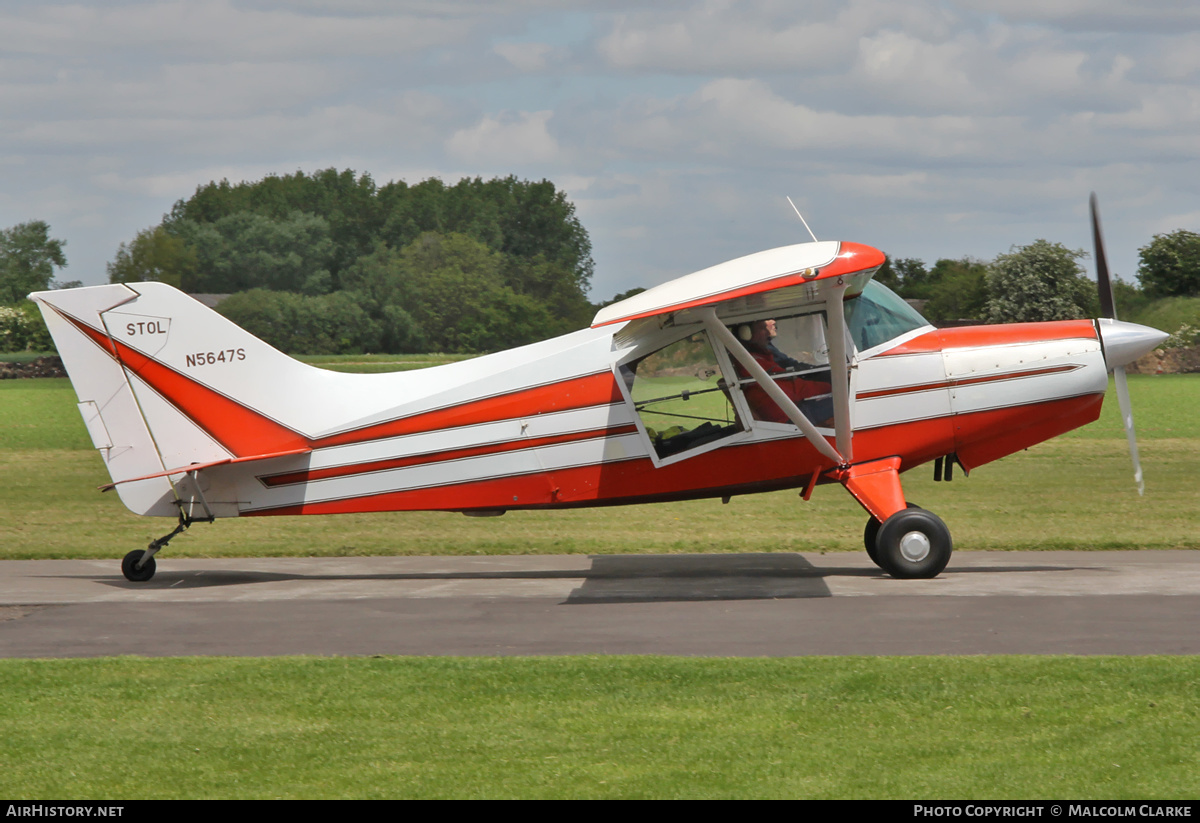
column 926, row 128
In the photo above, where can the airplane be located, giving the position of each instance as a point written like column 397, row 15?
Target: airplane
column 789, row 368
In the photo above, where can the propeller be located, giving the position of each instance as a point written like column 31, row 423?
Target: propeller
column 1123, row 342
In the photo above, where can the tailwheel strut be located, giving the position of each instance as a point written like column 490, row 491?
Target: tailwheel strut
column 138, row 566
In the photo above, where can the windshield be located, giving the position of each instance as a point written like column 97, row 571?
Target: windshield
column 879, row 315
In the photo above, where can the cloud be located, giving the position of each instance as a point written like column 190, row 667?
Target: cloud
column 719, row 37
column 526, row 57
column 516, row 138
column 1113, row 16
column 217, row 30
column 931, row 127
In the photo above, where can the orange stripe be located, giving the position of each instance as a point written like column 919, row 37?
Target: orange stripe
column 969, row 381
column 758, row 466
column 575, row 393
column 968, row 337
column 246, row 432
column 290, row 478
column 240, row 430
column 978, row 438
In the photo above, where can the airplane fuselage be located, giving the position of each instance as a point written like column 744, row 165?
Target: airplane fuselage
column 978, row 393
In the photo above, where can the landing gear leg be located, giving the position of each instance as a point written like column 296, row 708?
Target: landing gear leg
column 138, row 566
column 902, row 539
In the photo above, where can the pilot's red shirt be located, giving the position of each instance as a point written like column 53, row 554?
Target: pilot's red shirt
column 796, row 388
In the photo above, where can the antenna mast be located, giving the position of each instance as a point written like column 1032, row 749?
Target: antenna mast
column 802, row 220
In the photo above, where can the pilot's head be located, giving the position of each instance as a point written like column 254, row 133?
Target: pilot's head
column 755, row 334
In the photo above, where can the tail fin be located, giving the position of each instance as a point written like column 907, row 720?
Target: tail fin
column 165, row 383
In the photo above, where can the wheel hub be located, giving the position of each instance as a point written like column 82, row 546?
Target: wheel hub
column 914, row 546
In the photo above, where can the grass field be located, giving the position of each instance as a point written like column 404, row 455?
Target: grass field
column 976, row 727
column 1072, row 492
column 981, row 728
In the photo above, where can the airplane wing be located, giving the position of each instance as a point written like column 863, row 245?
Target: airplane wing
column 784, row 277
column 821, row 275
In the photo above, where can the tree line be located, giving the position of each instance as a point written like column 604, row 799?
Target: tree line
column 1042, row 281
column 330, row 262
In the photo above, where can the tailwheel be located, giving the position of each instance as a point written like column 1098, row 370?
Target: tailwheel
column 129, row 566
column 912, row 543
column 138, row 566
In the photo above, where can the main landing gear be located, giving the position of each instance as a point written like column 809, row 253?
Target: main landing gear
column 908, row 542
column 911, row 544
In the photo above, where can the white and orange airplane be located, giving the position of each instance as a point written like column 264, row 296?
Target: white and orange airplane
column 788, row 368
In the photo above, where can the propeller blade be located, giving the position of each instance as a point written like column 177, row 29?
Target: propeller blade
column 1127, row 419
column 1108, row 309
column 1103, row 281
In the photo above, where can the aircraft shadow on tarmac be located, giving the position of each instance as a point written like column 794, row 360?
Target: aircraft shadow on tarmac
column 614, row 578
column 658, row 578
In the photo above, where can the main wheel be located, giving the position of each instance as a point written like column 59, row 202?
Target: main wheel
column 871, row 537
column 913, row 543
column 870, row 540
column 132, row 572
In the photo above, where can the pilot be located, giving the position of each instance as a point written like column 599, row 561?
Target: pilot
column 789, row 363
column 757, row 337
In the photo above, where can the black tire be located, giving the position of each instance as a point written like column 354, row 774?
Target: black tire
column 130, row 570
column 914, row 544
column 871, row 537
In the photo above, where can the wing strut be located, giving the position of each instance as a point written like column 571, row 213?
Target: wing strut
column 835, row 314
column 735, row 347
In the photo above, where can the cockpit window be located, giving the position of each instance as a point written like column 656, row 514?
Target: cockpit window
column 879, row 315
column 793, row 351
column 680, row 396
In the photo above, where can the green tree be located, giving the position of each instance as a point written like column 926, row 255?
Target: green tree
column 453, row 286
column 1170, row 265
column 552, row 285
column 1130, row 300
column 956, row 290
column 376, row 282
column 345, row 200
column 902, row 275
column 617, row 298
column 245, row 250
column 312, row 324
column 28, row 257
column 1041, row 281
column 450, row 293
column 474, row 266
column 887, row 275
column 914, row 278
column 154, row 254
column 515, row 217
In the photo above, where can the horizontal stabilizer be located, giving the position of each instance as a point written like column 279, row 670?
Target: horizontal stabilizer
column 197, row 467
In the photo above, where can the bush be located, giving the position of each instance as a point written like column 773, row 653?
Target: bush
column 23, row 329
column 1039, row 282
